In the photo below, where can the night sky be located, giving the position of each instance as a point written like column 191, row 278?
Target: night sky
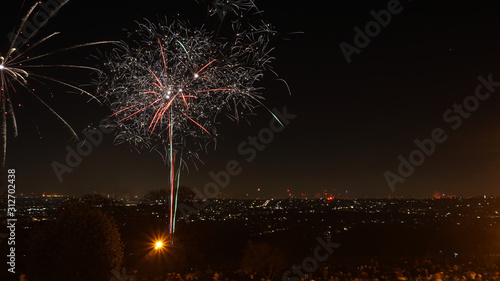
column 353, row 120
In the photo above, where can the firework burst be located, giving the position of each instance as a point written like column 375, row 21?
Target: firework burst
column 18, row 65
column 168, row 88
column 176, row 81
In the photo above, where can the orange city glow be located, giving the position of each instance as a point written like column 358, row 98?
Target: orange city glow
column 158, row 245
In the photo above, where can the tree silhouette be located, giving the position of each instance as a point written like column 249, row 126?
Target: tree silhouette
column 81, row 244
column 162, row 196
column 155, row 197
column 264, row 259
column 97, row 200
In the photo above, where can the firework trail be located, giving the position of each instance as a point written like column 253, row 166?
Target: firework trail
column 167, row 89
column 16, row 71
